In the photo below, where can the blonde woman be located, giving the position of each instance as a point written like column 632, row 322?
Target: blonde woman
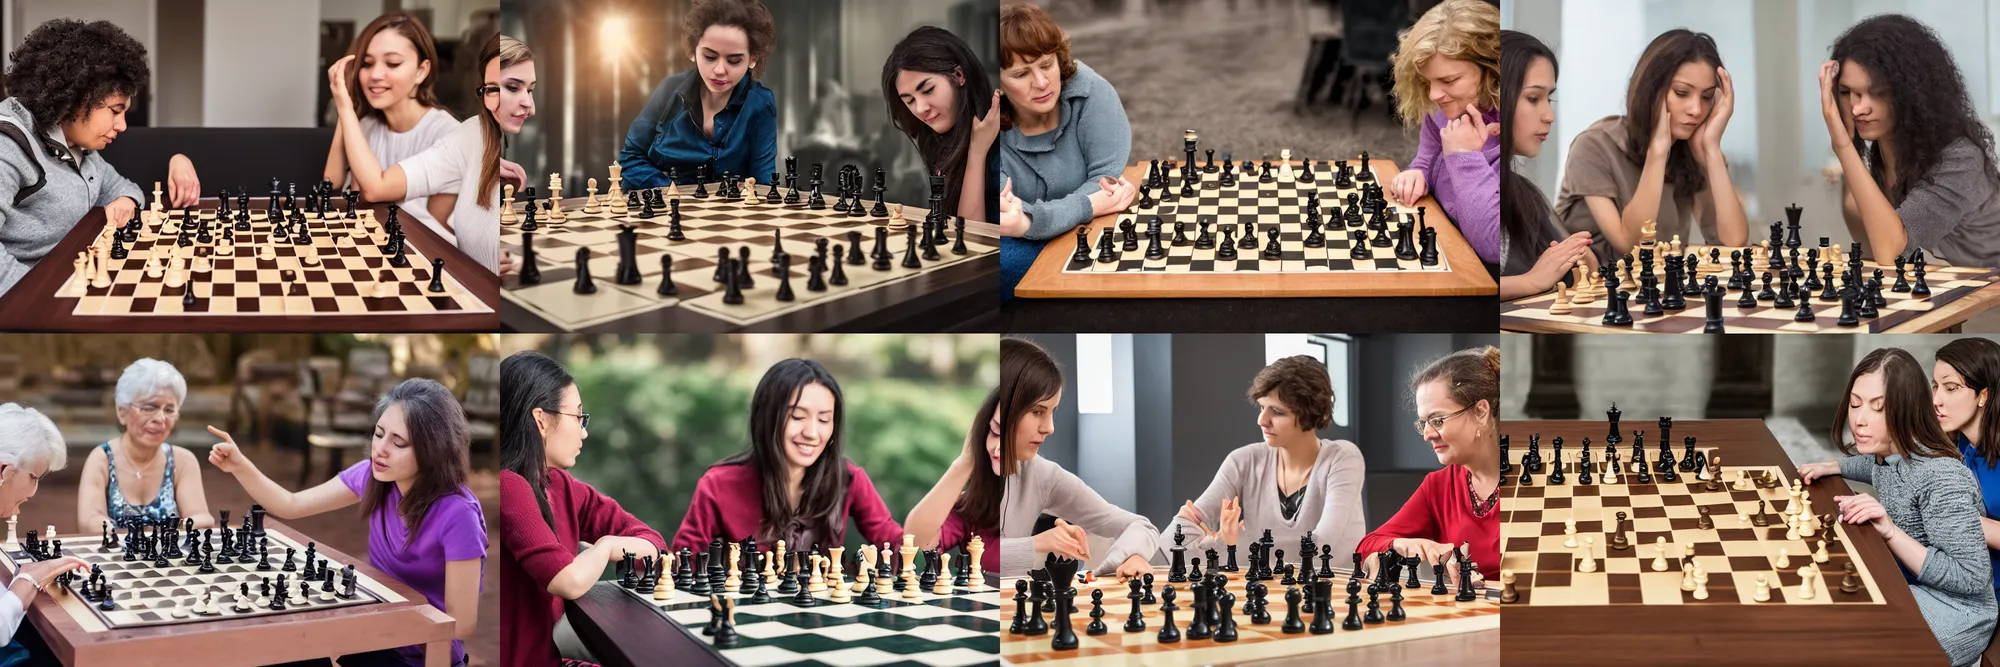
column 1448, row 81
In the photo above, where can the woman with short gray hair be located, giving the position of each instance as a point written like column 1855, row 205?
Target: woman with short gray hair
column 137, row 475
column 30, row 447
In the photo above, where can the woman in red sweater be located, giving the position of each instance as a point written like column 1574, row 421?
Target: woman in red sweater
column 1458, row 399
column 544, row 512
column 792, row 484
column 965, row 503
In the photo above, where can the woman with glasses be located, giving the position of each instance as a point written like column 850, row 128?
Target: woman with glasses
column 137, row 475
column 30, row 449
column 1293, row 482
column 545, row 513
column 1455, row 509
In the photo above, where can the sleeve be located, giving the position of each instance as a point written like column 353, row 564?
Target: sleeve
column 356, row 477
column 639, row 172
column 1588, row 172
column 598, row 516
column 1429, row 143
column 870, row 514
column 11, row 270
column 703, row 519
column 1474, row 201
column 1106, row 136
column 1228, row 483
column 438, row 169
column 1934, row 209
column 1957, row 561
column 952, row 533
column 1418, row 518
column 464, row 536
column 524, row 534
column 1075, row 502
column 11, row 614
column 1017, row 555
column 115, row 184
column 1859, row 467
column 1341, row 522
column 764, row 139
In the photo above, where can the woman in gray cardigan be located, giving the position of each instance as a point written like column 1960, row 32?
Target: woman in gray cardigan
column 1063, row 145
column 1928, row 510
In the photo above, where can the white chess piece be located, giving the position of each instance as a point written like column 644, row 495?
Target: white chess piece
column 1700, row 584
column 1806, row 577
column 1763, row 592
column 973, row 553
column 1659, row 554
column 1821, row 556
column 1791, row 527
column 180, row 609
column 1569, row 533
column 1589, row 556
column 12, row 523
column 1784, row 558
column 943, row 585
column 1687, row 577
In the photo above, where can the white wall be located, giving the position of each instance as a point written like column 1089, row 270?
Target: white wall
column 258, row 67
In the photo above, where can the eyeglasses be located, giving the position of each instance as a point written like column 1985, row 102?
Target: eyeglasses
column 1436, row 423
column 149, row 410
column 582, row 418
column 489, row 90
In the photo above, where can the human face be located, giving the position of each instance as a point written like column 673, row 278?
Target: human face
column 392, row 455
column 931, row 97
column 391, row 70
column 1277, row 420
column 1033, row 86
column 809, row 425
column 1454, row 442
column 1864, row 414
column 1535, row 111
column 149, row 419
column 1957, row 405
column 17, row 485
column 1035, row 426
column 510, row 94
column 722, row 57
column 100, row 126
column 1690, row 97
column 1864, row 102
column 563, row 434
column 1454, row 84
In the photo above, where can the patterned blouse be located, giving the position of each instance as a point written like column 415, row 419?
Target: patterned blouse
column 162, row 506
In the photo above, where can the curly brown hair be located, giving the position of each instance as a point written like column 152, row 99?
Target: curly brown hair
column 750, row 16
column 1026, row 34
column 1301, row 383
column 65, row 68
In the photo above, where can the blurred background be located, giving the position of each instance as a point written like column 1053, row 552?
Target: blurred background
column 599, row 61
column 300, row 406
column 1776, row 141
column 1142, row 409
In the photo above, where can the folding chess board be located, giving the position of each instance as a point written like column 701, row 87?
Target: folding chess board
column 147, row 596
column 712, row 225
column 259, row 274
column 1428, row 616
column 1242, row 215
column 1949, row 284
column 1734, row 553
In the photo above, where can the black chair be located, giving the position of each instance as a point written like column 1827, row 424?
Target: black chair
column 1369, row 38
column 225, row 158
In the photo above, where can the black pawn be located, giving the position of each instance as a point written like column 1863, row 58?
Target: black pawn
column 1293, row 623
column 1226, row 633
column 530, row 274
column 667, row 286
column 583, row 282
column 815, row 274
column 785, row 278
column 881, row 252
column 839, row 276
column 1169, row 633
column 187, row 295
column 437, row 276
column 733, row 291
column 910, row 260
column 1096, row 626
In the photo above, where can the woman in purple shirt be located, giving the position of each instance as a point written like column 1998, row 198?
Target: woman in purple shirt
column 1448, row 79
column 425, row 528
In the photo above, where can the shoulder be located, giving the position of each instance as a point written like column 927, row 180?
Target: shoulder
column 1247, row 455
column 1337, row 452
column 1941, row 471
column 460, row 504
column 1607, row 132
column 855, row 473
column 185, row 457
column 724, row 475
column 1086, row 81
column 759, row 98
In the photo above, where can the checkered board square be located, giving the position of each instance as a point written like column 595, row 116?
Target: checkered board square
column 710, row 225
column 1734, row 553
column 1947, row 283
column 1428, row 616
column 954, row 629
column 146, row 596
column 350, row 263
column 1253, row 206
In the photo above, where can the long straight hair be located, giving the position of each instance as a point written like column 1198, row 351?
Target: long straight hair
column 440, row 438
column 1649, row 83
column 1906, row 406
column 1028, row 375
column 980, row 503
column 937, row 51
column 1977, row 360
column 823, row 489
column 1523, row 209
column 509, row 52
column 410, row 28
column 529, row 380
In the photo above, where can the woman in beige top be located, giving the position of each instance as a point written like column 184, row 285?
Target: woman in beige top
column 1662, row 161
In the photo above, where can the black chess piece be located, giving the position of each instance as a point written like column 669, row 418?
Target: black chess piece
column 1096, row 626
column 785, row 279
column 910, row 260
column 1293, row 623
column 1065, row 639
column 732, row 284
column 583, row 285
column 1227, row 631
column 1136, row 621
column 743, row 276
column 1169, row 633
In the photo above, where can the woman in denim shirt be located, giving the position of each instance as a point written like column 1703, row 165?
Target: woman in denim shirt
column 715, row 115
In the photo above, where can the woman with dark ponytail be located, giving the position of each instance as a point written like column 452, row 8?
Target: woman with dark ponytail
column 544, row 512
column 1534, row 255
column 1963, row 383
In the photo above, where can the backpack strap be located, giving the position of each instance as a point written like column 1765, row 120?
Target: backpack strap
column 20, row 138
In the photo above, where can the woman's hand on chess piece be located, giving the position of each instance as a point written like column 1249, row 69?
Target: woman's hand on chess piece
column 1466, row 133
column 616, row 546
column 1557, row 261
column 1430, row 552
column 183, row 186
column 508, row 263
column 1408, row 187
column 1013, row 221
column 225, row 455
column 119, row 210
column 43, row 572
column 1864, row 509
column 1135, row 565
column 1064, row 540
column 1811, row 472
column 511, row 173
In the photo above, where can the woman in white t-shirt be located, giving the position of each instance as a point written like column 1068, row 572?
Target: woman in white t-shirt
column 398, row 107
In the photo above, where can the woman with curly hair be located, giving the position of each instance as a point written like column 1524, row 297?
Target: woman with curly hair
column 715, row 116
column 1455, row 511
column 1916, row 161
column 1661, row 162
column 1447, row 76
column 1292, row 483
column 396, row 73
column 71, row 84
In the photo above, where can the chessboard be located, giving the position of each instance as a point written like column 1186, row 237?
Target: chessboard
column 803, row 622
column 1428, row 616
column 584, row 277
column 1273, row 218
column 1759, row 541
column 1956, row 293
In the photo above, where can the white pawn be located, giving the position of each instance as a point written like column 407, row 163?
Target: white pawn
column 1791, row 527
column 1784, row 558
column 1743, row 520
column 1700, row 584
column 1763, row 592
column 1806, row 577
column 179, row 611
column 1589, row 556
column 943, row 586
column 1659, row 554
column 665, row 589
column 1687, row 577
column 1569, row 533
column 1821, row 556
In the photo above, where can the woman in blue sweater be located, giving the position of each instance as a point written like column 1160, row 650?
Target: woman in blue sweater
column 1963, row 383
column 716, row 115
column 1065, row 142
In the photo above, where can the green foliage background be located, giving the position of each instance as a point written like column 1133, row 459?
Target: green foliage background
column 665, row 408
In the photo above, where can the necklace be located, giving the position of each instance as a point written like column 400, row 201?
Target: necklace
column 138, row 473
column 1481, row 506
